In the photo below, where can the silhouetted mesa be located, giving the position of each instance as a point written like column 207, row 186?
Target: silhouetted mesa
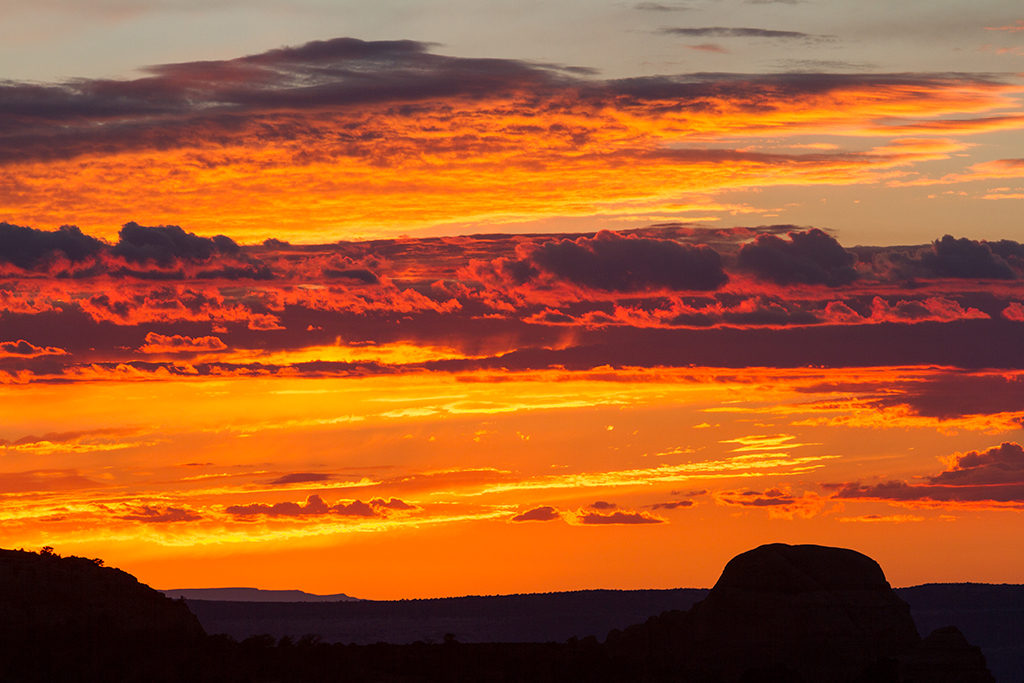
column 70, row 619
column 254, row 595
column 793, row 613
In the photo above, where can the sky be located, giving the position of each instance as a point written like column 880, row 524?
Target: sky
column 421, row 299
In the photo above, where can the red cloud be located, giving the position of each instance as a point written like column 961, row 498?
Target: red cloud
column 23, row 349
column 158, row 343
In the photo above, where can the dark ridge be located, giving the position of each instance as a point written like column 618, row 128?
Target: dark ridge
column 71, row 619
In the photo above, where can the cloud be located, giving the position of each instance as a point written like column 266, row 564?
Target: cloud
column 391, row 504
column 159, row 343
column 587, row 517
column 300, row 478
column 45, row 480
column 729, row 32
column 875, row 519
column 602, row 505
column 995, row 475
column 951, row 395
column 614, row 262
column 31, row 249
column 1003, row 464
column 151, row 253
column 161, row 515
column 951, row 258
column 352, row 119
column 672, row 505
column 314, row 505
column 23, row 349
column 810, row 257
column 780, row 502
column 1016, row 27
column 658, row 7
column 707, row 47
column 541, row 514
column 1014, row 311
column 166, row 243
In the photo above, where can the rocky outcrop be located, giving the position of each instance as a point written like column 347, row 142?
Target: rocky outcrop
column 68, row 618
column 825, row 612
column 779, row 612
column 945, row 656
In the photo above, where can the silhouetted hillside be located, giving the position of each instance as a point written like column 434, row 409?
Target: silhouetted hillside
column 70, row 619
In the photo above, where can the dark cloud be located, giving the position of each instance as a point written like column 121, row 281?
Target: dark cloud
column 31, row 249
column 809, row 258
column 541, row 514
column 951, row 258
column 965, row 258
column 159, row 515
column 165, row 244
column 672, row 505
column 993, row 475
column 602, row 505
column 360, row 274
column 769, row 498
column 178, row 104
column 315, row 505
column 300, row 478
column 1003, row 464
column 149, row 253
column 613, row 262
column 326, row 91
column 730, row 32
column 953, row 395
column 618, row 517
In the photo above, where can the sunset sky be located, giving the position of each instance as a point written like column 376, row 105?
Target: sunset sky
column 418, row 299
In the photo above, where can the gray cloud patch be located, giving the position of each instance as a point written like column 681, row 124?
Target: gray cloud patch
column 735, row 32
column 658, row 7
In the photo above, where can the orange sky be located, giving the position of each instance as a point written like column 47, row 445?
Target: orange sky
column 266, row 396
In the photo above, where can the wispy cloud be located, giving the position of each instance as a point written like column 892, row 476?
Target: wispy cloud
column 738, row 32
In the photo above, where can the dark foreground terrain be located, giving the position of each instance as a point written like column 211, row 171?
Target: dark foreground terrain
column 778, row 613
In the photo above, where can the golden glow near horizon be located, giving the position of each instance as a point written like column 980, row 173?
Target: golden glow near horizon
column 211, row 469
